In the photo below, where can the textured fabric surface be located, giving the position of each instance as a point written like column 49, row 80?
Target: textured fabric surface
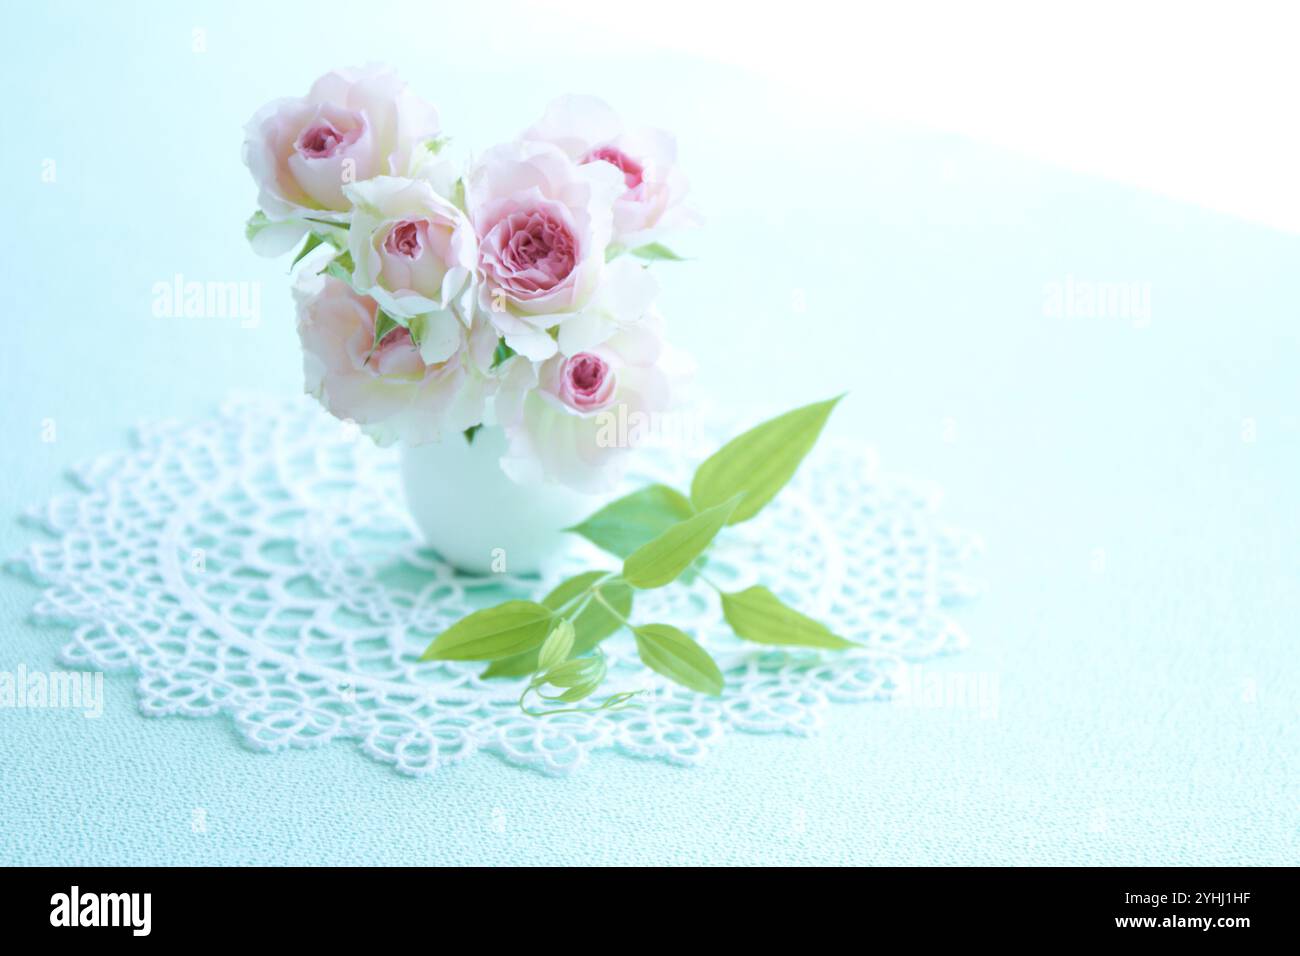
column 1142, row 539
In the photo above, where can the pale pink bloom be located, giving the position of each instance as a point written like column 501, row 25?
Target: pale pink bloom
column 651, row 201
column 566, row 419
column 351, row 125
column 414, row 252
column 620, row 304
column 543, row 226
column 387, row 388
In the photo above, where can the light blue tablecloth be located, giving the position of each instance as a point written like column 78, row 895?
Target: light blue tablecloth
column 1136, row 481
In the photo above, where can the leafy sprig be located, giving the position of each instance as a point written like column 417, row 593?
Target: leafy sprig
column 663, row 537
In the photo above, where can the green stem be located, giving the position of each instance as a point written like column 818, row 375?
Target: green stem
column 707, row 580
column 600, row 599
column 583, row 595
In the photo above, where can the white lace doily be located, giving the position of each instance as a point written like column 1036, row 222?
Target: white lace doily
column 260, row 564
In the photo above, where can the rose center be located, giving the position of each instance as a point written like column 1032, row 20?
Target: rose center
column 629, row 167
column 320, row 141
column 404, row 239
column 541, row 245
column 587, row 373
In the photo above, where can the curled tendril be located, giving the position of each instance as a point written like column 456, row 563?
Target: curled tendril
column 618, row 701
column 576, row 679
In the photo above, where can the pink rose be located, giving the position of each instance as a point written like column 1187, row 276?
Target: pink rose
column 558, row 416
column 650, row 202
column 351, row 125
column 586, row 382
column 414, row 252
column 543, row 225
column 386, row 387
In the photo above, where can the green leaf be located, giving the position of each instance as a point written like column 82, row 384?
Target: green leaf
column 570, row 588
column 673, row 653
column 695, row 570
column 656, row 251
column 624, row 525
column 521, row 665
column 613, row 251
column 471, row 432
column 660, row 560
column 312, row 242
column 756, row 614
column 590, row 627
column 758, row 463
column 491, row 634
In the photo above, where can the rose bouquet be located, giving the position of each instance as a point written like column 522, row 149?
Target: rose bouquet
column 514, row 291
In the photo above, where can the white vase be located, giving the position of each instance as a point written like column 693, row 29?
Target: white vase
column 475, row 517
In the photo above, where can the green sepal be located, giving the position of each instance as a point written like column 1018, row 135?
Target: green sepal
column 556, row 648
column 340, row 267
column 312, row 241
column 502, row 353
